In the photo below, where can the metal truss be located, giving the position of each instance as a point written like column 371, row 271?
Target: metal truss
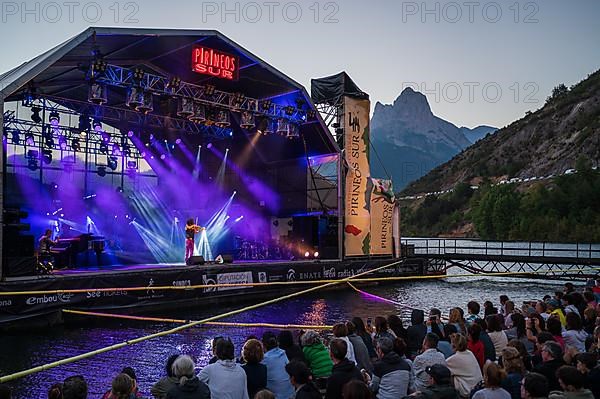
column 546, row 271
column 124, row 77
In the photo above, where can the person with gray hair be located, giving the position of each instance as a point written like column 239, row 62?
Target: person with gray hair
column 391, row 374
column 552, row 360
column 316, row 355
column 189, row 386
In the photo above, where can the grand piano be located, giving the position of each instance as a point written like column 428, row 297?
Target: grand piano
column 66, row 250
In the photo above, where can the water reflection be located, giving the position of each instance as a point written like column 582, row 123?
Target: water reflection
column 25, row 350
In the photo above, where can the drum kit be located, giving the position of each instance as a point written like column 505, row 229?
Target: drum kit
column 259, row 250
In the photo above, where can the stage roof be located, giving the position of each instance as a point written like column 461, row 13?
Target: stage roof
column 166, row 52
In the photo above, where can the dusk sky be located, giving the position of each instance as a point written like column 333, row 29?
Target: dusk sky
column 478, row 62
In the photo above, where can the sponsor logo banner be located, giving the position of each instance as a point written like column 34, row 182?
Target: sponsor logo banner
column 356, row 147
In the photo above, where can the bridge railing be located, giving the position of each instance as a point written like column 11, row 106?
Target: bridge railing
column 444, row 246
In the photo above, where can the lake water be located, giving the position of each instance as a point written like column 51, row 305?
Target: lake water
column 25, row 350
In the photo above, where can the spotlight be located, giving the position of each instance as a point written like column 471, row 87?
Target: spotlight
column 147, row 103
column 116, row 150
column 178, row 141
column 130, row 133
column 99, row 66
column 84, row 123
column 311, row 114
column 35, row 114
column 97, row 93
column 238, row 219
column 293, row 131
column 316, row 254
column 112, row 163
column 29, row 140
column 75, row 145
column 47, row 156
column 135, row 97
column 120, row 190
column 101, row 171
column 237, row 99
column 105, row 137
column 306, row 254
column 131, row 165
column 163, row 156
column 16, row 137
column 126, row 150
column 198, row 114
column 54, row 118
column 265, row 105
column 97, row 126
column 62, row 143
column 282, row 126
column 209, row 90
column 209, row 145
column 174, row 83
column 32, row 160
column 247, row 120
column 185, row 107
column 289, row 110
column 222, row 119
column 138, row 74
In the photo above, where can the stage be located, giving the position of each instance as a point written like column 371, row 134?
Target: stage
column 44, row 309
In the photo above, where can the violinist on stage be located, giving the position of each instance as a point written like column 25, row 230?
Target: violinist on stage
column 191, row 229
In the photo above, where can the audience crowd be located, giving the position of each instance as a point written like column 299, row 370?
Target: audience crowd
column 540, row 349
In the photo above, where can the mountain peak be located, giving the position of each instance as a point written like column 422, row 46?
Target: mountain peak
column 412, row 102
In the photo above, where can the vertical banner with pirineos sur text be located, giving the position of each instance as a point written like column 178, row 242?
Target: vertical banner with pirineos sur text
column 382, row 216
column 356, row 147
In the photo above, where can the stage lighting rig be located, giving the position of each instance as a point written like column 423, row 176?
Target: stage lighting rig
column 293, row 131
column 222, row 119
column 135, row 97
column 185, row 107
column 174, row 83
column 97, row 93
column 247, row 120
column 16, row 137
column 32, row 159
column 265, row 105
column 62, row 143
column 282, row 126
column 199, row 113
column 101, row 171
column 237, row 99
column 75, row 145
column 138, row 74
column 98, row 66
column 103, row 148
column 35, row 114
column 97, row 126
column 84, row 123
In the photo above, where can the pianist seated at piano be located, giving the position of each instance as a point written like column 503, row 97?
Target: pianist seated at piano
column 46, row 242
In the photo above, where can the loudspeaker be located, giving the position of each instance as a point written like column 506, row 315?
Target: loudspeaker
column 227, row 258
column 19, row 266
column 195, row 260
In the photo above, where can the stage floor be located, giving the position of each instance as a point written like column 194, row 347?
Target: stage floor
column 116, row 269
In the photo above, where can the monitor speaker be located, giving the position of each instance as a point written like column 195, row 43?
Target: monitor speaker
column 195, row 260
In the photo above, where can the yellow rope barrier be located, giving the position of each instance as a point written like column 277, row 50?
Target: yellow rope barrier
column 212, row 323
column 313, row 282
column 72, row 359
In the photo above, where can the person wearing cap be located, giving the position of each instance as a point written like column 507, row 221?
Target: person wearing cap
column 554, row 309
column 439, row 384
column 552, row 360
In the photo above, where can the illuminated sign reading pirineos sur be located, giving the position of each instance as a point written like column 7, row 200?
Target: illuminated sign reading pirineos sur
column 216, row 63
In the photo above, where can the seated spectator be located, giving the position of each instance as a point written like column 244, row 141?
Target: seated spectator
column 541, row 309
column 189, row 385
column 214, row 350
column 473, row 310
column 416, row 332
column 571, row 382
column 391, row 378
column 541, row 339
column 435, row 324
column 554, row 309
column 552, row 360
column 571, row 307
column 292, row 351
column 503, row 311
column 131, row 373
column 361, row 331
column 75, row 387
column 122, row 388
column 275, row 359
column 160, row 389
column 488, row 346
column 589, row 320
column 343, row 369
column 361, row 353
column 356, row 389
column 463, row 366
column 475, row 345
column 509, row 310
column 555, row 328
column 396, row 325
column 55, row 392
column 496, row 334
column 428, row 357
column 300, row 378
column 489, row 309
column 587, row 364
column 534, row 386
column 519, row 332
column 341, row 331
column 256, row 372
column 444, row 344
column 400, row 349
column 574, row 335
column 455, row 318
column 524, row 355
column 382, row 329
column 316, row 354
column 225, row 378
column 492, row 377
column 438, row 385
column 514, row 369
